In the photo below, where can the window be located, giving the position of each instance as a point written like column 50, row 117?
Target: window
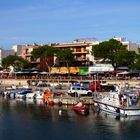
column 27, row 51
column 78, row 49
column 73, row 88
column 78, row 88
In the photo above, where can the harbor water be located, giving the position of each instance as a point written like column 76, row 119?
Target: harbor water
column 30, row 119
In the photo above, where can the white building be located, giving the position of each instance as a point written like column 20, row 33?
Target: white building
column 130, row 45
column 17, row 49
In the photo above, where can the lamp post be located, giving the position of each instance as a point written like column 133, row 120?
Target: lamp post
column 95, row 90
column 95, row 82
column 115, row 71
column 116, row 78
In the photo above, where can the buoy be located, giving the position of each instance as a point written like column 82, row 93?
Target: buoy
column 51, row 103
column 60, row 112
column 95, row 104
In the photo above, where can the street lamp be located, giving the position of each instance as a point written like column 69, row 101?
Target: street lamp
column 95, row 82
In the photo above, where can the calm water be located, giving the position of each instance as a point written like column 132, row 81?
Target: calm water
column 31, row 120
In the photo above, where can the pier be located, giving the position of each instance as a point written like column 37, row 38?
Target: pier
column 67, row 100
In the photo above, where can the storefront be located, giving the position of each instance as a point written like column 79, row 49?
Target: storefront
column 101, row 68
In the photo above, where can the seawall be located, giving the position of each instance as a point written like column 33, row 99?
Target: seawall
column 24, row 82
column 10, row 82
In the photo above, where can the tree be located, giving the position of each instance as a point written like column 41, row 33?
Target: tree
column 125, row 58
column 106, row 50
column 44, row 53
column 65, row 56
column 137, row 62
column 15, row 61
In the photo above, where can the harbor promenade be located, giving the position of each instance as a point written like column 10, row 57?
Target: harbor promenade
column 67, row 82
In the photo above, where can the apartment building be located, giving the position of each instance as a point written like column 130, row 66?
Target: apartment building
column 17, row 49
column 39, row 64
column 81, row 49
column 26, row 54
column 130, row 46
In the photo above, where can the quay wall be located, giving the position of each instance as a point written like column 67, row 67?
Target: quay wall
column 16, row 82
column 9, row 82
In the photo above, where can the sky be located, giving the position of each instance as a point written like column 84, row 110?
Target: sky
column 59, row 21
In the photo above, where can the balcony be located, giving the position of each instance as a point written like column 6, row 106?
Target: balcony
column 28, row 54
column 81, row 59
column 35, row 61
column 80, row 52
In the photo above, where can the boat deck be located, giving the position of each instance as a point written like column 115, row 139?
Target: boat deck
column 116, row 106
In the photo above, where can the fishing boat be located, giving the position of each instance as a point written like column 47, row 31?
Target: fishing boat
column 119, row 104
column 80, row 108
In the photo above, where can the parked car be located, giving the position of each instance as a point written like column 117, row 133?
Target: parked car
column 79, row 91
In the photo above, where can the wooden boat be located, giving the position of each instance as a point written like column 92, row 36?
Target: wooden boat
column 113, row 103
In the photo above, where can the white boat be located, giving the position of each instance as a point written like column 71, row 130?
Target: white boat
column 137, row 86
column 30, row 95
column 39, row 94
column 119, row 104
column 20, row 96
column 12, row 93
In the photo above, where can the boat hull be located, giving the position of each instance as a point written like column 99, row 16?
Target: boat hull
column 81, row 109
column 118, row 110
column 30, row 95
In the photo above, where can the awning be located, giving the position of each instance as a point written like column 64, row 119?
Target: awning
column 44, row 72
column 21, row 72
column 35, row 72
column 83, row 71
column 123, row 73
